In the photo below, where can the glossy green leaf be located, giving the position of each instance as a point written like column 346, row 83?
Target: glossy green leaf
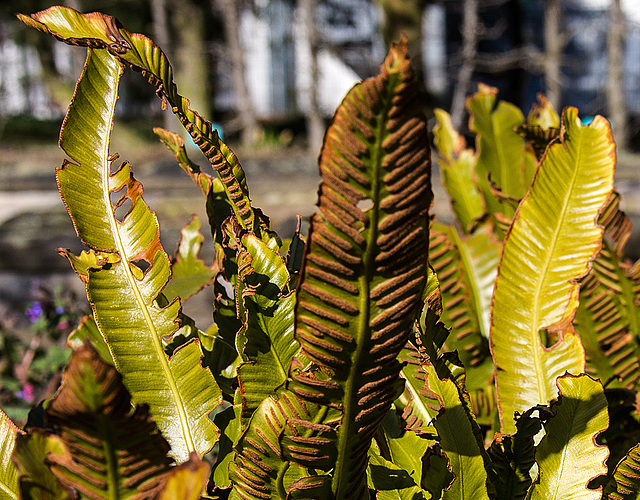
column 122, row 294
column 436, row 474
column 568, row 456
column 228, row 421
column 458, row 167
column 189, row 274
column 501, row 152
column 8, row 471
column 551, row 242
column 366, row 261
column 392, row 482
column 458, row 437
column 625, row 483
column 265, row 306
column 93, row 415
column 402, row 447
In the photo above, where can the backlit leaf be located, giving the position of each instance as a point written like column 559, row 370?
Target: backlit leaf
column 501, row 152
column 88, row 330
column 458, row 437
column 458, row 167
column 37, row 482
column 189, row 274
column 121, row 293
column 8, row 471
column 551, row 242
column 568, row 456
column 97, row 30
column 266, row 307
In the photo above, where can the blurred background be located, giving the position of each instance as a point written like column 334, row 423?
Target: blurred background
column 269, row 74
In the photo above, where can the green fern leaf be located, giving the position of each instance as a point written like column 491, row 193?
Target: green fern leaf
column 550, row 244
column 97, row 30
column 37, row 482
column 189, row 274
column 261, row 463
column 88, row 330
column 122, row 294
column 568, row 456
column 458, row 164
column 458, row 435
column 8, row 471
column 266, row 307
column 502, row 156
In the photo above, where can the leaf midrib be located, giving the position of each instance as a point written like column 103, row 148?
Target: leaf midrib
column 121, row 250
column 364, row 331
column 535, row 326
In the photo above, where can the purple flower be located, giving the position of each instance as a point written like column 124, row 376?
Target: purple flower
column 34, row 312
column 59, row 310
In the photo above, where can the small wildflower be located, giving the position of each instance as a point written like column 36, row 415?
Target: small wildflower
column 34, row 312
column 27, row 393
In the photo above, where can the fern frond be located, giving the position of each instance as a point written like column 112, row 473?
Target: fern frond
column 366, row 261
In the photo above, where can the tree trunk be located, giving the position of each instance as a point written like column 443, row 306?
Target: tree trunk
column 615, row 74
column 404, row 17
column 191, row 56
column 469, row 51
column 553, row 52
column 162, row 38
column 315, row 123
column 248, row 119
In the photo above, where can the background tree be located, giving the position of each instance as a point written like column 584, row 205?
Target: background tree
column 615, row 75
column 315, row 123
column 470, row 23
column 405, row 17
column 553, row 44
column 230, row 10
column 162, row 34
column 189, row 21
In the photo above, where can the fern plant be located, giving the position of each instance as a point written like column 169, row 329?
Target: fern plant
column 382, row 355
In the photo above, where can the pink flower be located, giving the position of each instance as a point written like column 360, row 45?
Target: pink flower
column 27, row 393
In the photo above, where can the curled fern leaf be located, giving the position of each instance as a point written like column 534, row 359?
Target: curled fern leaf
column 178, row 389
column 100, row 31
